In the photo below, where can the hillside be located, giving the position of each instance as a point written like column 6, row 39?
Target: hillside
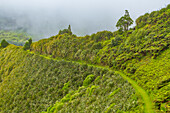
column 110, row 72
column 35, row 82
column 16, row 38
column 117, row 49
column 130, row 52
column 154, row 76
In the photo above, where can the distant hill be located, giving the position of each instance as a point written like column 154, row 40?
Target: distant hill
column 16, row 38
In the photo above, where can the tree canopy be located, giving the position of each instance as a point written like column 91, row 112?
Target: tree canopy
column 66, row 31
column 4, row 43
column 124, row 22
column 27, row 44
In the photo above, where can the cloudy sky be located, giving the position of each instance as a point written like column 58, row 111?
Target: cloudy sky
column 85, row 16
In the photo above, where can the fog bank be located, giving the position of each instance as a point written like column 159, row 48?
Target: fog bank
column 47, row 17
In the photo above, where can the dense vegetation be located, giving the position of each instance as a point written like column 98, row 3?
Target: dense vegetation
column 126, row 51
column 154, row 76
column 31, row 83
column 114, row 49
column 68, row 31
column 17, row 38
column 64, row 73
column 27, row 45
column 102, row 95
column 4, row 43
column 124, row 22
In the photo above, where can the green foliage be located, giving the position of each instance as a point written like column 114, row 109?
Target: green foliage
column 22, row 71
column 58, row 107
column 99, row 36
column 109, row 108
column 69, row 28
column 118, row 50
column 116, row 41
column 88, row 80
column 68, row 31
column 142, row 51
column 91, row 99
column 66, row 85
column 16, row 38
column 4, row 43
column 97, row 46
column 92, row 89
column 124, row 22
column 27, row 44
column 153, row 18
column 113, row 93
column 30, row 41
column 106, row 48
column 153, row 75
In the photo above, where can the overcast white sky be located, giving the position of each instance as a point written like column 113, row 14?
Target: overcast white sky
column 85, row 16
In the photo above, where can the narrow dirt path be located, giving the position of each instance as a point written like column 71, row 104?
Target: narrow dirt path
column 142, row 92
column 146, row 99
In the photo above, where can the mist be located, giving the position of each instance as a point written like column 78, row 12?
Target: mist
column 44, row 18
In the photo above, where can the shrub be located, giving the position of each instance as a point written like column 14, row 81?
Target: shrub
column 114, row 92
column 27, row 44
column 4, row 43
column 92, row 89
column 88, row 80
column 66, row 85
column 97, row 46
column 65, row 31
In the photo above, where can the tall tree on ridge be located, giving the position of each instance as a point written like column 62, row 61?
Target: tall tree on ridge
column 124, row 22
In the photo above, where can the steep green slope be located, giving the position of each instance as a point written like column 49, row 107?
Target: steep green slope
column 117, row 50
column 154, row 76
column 149, row 72
column 136, row 52
column 146, row 99
column 71, row 105
column 97, row 97
column 30, row 83
column 14, row 37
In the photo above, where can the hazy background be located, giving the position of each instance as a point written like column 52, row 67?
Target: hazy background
column 46, row 17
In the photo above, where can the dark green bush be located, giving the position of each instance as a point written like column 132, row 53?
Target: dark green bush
column 4, row 43
column 27, row 44
column 97, row 46
column 68, row 31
